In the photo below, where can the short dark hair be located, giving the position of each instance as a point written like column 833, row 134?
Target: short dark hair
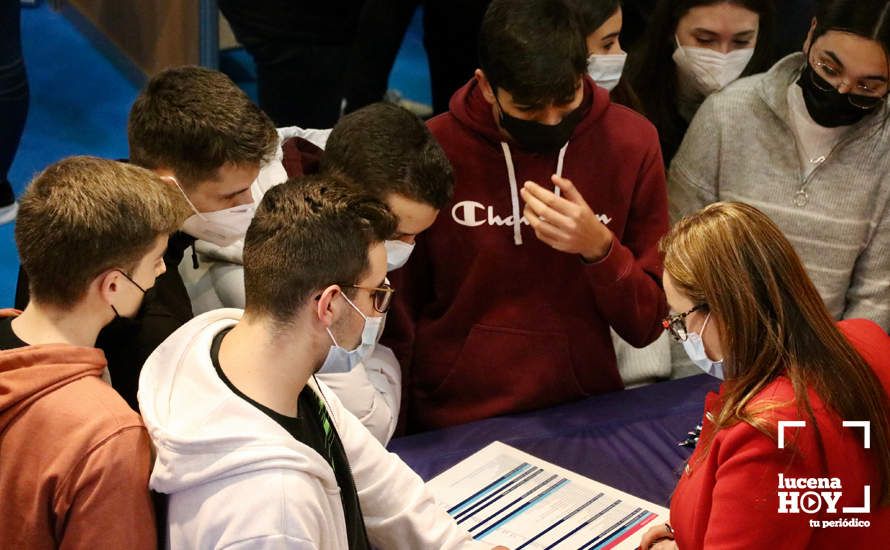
column 84, row 215
column 193, row 121
column 384, row 148
column 308, row 233
column 534, row 49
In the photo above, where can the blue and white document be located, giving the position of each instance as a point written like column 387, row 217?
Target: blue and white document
column 505, row 496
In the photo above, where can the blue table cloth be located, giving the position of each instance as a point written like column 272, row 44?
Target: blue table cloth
column 627, row 439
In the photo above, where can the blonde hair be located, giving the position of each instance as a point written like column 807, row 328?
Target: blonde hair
column 84, row 215
column 733, row 258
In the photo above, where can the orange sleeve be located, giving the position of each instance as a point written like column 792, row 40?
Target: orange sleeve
column 104, row 501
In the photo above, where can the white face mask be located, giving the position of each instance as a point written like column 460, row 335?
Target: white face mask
column 709, row 71
column 695, row 349
column 397, row 254
column 222, row 227
column 606, row 70
column 342, row 360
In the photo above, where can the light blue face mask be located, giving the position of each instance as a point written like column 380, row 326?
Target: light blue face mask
column 342, row 360
column 695, row 349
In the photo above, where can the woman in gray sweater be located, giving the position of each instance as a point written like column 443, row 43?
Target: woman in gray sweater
column 809, row 144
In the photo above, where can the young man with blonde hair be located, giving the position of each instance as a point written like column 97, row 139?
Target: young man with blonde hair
column 91, row 234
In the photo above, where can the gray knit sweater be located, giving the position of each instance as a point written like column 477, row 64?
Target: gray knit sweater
column 740, row 147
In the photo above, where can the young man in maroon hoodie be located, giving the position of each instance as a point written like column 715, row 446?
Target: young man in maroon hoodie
column 550, row 239
column 75, row 459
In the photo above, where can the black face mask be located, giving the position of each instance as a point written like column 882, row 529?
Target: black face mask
column 828, row 107
column 118, row 316
column 537, row 137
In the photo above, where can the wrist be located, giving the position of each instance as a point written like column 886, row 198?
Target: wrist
column 597, row 253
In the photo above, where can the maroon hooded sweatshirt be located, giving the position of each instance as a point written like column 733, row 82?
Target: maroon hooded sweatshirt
column 488, row 322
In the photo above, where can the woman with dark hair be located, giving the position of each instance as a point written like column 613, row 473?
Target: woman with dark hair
column 747, row 312
column 809, row 144
column 693, row 49
column 601, row 22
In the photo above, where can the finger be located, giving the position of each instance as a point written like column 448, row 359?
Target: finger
column 549, row 198
column 552, row 237
column 546, row 232
column 542, row 210
column 652, row 535
column 568, row 190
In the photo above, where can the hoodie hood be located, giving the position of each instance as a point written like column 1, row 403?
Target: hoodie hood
column 202, row 431
column 471, row 109
column 29, row 373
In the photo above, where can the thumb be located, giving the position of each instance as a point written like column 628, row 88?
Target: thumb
column 568, row 190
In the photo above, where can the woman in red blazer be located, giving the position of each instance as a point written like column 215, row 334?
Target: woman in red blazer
column 749, row 314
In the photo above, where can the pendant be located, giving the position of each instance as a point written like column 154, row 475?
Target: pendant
column 801, row 198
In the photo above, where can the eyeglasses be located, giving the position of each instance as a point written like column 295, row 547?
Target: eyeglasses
column 382, row 295
column 676, row 324
column 868, row 99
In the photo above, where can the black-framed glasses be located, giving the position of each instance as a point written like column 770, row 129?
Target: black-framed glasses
column 861, row 101
column 676, row 324
column 382, row 295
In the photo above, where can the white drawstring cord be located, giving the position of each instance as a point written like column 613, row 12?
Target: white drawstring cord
column 514, row 194
column 514, row 188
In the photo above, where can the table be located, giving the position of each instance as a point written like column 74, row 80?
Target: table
column 625, row 439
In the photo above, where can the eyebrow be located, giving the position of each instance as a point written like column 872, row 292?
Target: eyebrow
column 610, row 36
column 236, row 193
column 701, row 30
column 837, row 60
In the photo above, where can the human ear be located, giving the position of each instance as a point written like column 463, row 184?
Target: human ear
column 324, row 306
column 485, row 86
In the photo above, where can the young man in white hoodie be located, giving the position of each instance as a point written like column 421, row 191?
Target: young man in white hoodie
column 251, row 449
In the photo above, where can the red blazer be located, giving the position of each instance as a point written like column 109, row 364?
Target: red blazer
column 730, row 499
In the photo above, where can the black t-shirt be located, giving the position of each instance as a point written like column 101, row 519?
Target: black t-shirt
column 8, row 339
column 313, row 427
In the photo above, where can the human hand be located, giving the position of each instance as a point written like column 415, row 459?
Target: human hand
column 660, row 537
column 565, row 223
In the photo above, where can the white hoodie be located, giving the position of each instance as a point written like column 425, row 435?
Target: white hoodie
column 372, row 391
column 237, row 479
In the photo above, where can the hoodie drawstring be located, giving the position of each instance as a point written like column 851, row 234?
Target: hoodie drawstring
column 514, row 189
column 559, row 161
column 514, row 194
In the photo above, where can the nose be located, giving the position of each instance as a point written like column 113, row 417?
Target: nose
column 161, row 269
column 844, row 87
column 551, row 116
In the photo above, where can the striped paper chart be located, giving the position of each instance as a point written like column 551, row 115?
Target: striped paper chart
column 502, row 495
